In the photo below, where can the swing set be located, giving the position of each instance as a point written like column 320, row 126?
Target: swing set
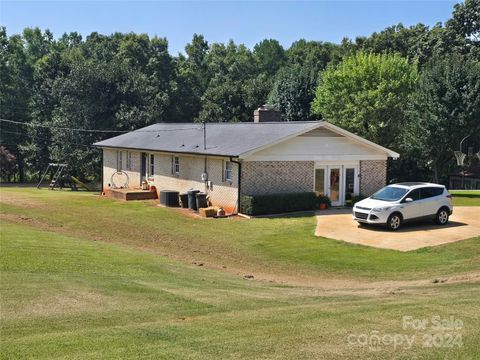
column 60, row 179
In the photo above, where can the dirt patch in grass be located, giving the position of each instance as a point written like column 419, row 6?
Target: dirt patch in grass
column 29, row 221
column 20, row 201
column 59, row 304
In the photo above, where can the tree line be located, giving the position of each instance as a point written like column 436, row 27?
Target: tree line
column 414, row 89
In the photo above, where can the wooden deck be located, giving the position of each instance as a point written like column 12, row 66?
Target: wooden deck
column 132, row 194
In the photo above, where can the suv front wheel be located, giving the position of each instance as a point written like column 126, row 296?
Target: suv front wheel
column 394, row 221
column 442, row 216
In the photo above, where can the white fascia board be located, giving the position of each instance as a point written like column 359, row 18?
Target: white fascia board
column 346, row 133
column 310, row 157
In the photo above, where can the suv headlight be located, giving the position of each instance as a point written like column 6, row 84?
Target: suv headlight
column 381, row 209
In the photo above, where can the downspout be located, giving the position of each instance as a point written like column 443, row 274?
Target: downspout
column 101, row 185
column 205, row 183
column 239, row 181
column 205, row 160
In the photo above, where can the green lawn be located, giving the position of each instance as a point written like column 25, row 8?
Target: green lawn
column 466, row 197
column 85, row 277
column 275, row 247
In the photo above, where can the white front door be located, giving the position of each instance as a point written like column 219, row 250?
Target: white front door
column 338, row 182
column 334, row 181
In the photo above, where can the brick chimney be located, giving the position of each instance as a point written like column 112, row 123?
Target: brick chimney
column 267, row 113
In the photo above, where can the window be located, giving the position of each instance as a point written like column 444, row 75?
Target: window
column 228, row 171
column 175, row 165
column 431, row 192
column 119, row 160
column 129, row 160
column 349, row 180
column 124, row 160
column 320, row 181
column 390, row 193
column 152, row 165
column 414, row 194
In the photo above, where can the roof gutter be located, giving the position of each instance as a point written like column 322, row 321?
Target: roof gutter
column 164, row 151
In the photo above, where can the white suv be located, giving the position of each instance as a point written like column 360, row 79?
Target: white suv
column 398, row 203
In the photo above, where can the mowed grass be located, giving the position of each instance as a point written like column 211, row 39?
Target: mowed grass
column 277, row 248
column 466, row 197
column 68, row 297
column 83, row 277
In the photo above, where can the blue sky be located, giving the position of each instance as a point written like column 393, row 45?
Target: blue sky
column 245, row 22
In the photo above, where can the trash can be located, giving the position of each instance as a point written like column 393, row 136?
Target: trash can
column 184, row 200
column 192, row 201
column 201, row 200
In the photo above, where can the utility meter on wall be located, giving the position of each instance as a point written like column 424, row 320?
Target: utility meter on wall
column 204, row 176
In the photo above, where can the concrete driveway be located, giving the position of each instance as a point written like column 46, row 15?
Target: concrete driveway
column 338, row 224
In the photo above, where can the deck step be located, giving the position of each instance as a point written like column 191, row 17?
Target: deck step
column 131, row 194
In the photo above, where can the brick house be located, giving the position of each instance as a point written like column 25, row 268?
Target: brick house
column 227, row 160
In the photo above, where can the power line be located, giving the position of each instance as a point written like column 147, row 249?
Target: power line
column 60, row 128
column 40, row 138
column 94, row 130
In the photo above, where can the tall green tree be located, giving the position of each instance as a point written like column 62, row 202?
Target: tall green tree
column 464, row 27
column 42, row 103
column 314, row 55
column 293, row 92
column 269, row 56
column 417, row 43
column 228, row 96
column 445, row 108
column 18, row 56
column 367, row 94
column 191, row 81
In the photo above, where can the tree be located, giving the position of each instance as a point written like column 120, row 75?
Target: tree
column 8, row 164
column 314, row 55
column 465, row 26
column 367, row 94
column 417, row 42
column 269, row 56
column 445, row 108
column 293, row 92
column 124, row 81
column 229, row 95
column 18, row 56
column 191, row 81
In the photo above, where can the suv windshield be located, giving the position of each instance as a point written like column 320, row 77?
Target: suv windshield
column 389, row 193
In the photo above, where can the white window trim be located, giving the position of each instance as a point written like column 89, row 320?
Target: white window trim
column 151, row 165
column 176, row 165
column 228, row 178
column 129, row 160
column 119, row 160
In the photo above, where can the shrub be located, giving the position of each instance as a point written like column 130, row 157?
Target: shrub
column 277, row 203
column 323, row 199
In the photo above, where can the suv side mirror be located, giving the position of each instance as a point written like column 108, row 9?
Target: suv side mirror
column 407, row 200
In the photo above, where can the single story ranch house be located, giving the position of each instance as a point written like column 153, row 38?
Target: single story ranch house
column 228, row 160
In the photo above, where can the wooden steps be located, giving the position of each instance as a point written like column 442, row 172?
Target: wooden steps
column 131, row 194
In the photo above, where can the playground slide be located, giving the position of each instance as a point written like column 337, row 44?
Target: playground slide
column 79, row 183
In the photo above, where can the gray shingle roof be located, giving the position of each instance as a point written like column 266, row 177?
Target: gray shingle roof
column 227, row 139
